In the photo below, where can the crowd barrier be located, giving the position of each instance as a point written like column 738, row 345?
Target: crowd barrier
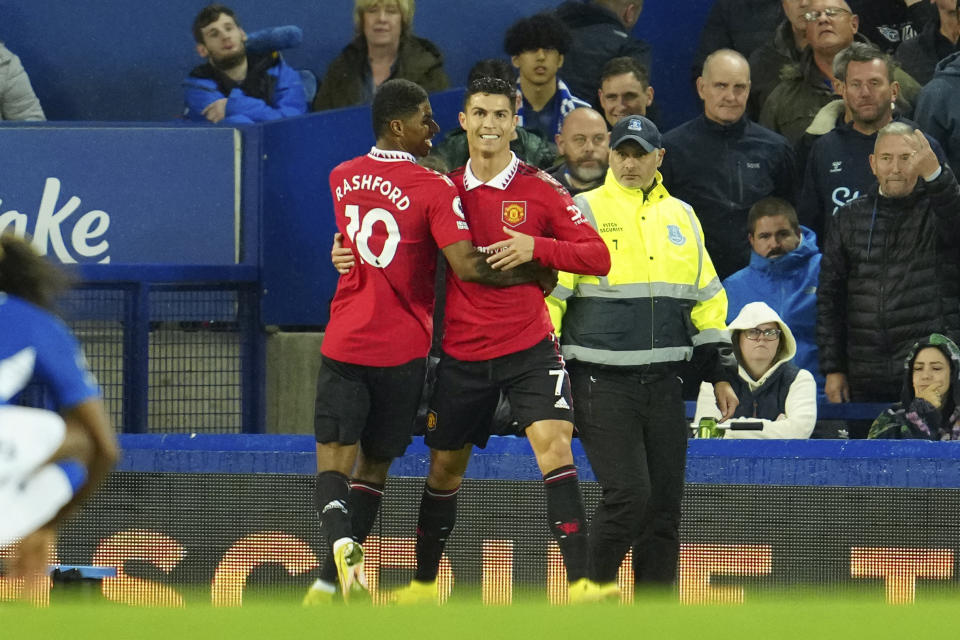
column 210, row 518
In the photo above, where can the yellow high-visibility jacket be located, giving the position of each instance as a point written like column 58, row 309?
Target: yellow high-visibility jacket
column 662, row 298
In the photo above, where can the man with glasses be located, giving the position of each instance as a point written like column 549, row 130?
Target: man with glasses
column 808, row 85
column 890, row 270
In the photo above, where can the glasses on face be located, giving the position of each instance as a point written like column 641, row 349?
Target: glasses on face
column 830, row 12
column 768, row 335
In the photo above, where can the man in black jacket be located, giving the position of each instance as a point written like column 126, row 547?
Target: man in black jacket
column 601, row 32
column 834, row 150
column 890, row 269
column 939, row 38
column 721, row 163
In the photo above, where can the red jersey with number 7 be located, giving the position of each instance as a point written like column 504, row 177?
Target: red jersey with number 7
column 394, row 214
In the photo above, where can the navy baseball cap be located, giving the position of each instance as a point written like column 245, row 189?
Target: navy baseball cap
column 639, row 129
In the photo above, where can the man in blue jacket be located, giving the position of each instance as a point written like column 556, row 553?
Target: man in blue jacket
column 235, row 86
column 783, row 272
column 721, row 163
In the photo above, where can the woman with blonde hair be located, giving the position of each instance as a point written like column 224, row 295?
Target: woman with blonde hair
column 383, row 48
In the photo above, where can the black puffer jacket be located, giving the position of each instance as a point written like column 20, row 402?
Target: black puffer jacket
column 887, row 280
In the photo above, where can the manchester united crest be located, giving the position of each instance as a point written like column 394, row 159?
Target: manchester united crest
column 514, row 212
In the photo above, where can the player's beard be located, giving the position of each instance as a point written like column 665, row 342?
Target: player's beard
column 232, row 61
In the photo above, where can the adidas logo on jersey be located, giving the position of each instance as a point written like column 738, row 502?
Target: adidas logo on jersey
column 561, row 404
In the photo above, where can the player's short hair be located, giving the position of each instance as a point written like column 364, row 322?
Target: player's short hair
column 493, row 68
column 541, row 31
column 622, row 65
column 406, row 7
column 770, row 207
column 395, row 100
column 208, row 15
column 26, row 274
column 861, row 52
column 493, row 86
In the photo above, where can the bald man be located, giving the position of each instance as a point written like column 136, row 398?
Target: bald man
column 721, row 163
column 584, row 143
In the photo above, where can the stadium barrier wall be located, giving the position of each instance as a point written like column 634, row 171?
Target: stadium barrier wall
column 70, row 48
column 220, row 518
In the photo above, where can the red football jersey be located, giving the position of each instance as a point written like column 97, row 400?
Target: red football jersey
column 484, row 322
column 394, row 214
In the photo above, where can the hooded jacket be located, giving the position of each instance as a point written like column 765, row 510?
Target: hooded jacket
column 418, row 60
column 837, row 167
column 17, row 99
column 788, row 284
column 889, row 273
column 271, row 90
column 721, row 170
column 598, row 37
column 914, row 417
column 938, row 108
column 784, row 398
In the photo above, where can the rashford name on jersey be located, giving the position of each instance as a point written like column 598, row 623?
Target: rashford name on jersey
column 369, row 182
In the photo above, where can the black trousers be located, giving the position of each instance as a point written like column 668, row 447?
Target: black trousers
column 634, row 432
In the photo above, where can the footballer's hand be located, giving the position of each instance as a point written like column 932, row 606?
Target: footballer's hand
column 547, row 279
column 512, row 252
column 341, row 257
column 216, row 110
column 727, row 400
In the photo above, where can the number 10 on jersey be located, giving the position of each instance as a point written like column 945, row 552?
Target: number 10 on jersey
column 361, row 228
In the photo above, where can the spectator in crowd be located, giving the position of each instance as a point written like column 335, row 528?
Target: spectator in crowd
column 919, row 56
column 722, row 163
column 741, row 25
column 383, row 48
column 537, row 46
column 808, row 85
column 584, row 144
column 17, row 99
column 783, row 272
column 528, row 146
column 788, row 42
column 890, row 269
column 624, row 89
column 623, row 352
column 601, row 32
column 938, row 108
column 51, row 462
column 235, row 86
column 841, row 137
column 771, row 388
column 887, row 23
column 928, row 407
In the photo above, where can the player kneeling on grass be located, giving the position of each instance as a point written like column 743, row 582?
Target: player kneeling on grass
column 393, row 215
column 49, row 462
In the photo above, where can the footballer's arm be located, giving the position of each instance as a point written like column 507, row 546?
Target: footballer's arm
column 471, row 265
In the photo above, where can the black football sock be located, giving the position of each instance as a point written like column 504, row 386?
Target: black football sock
column 438, row 514
column 330, row 500
column 566, row 519
column 363, row 503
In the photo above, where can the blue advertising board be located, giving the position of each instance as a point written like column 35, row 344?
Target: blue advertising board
column 121, row 195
